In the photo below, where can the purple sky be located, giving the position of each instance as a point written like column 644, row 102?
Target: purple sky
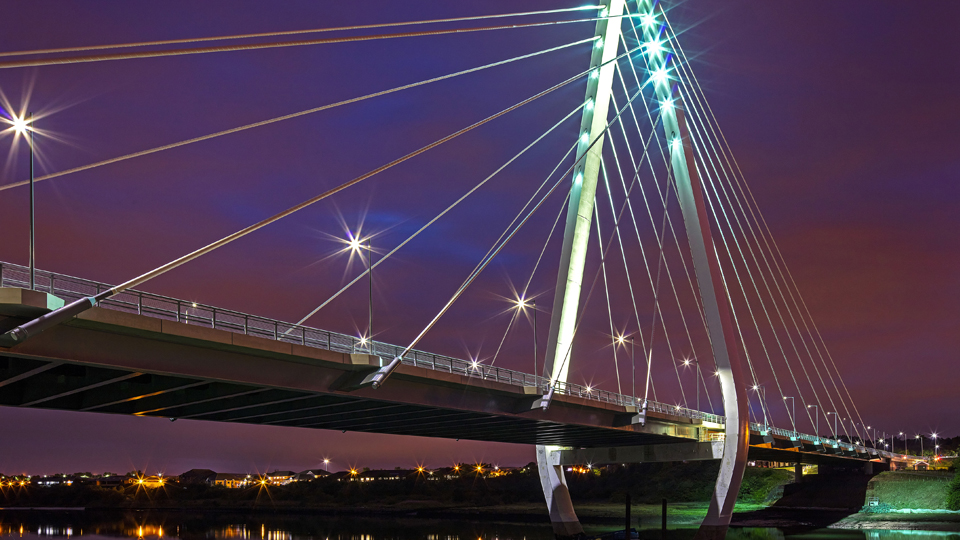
column 842, row 116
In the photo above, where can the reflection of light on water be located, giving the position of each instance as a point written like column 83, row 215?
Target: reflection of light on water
column 911, row 535
column 147, row 528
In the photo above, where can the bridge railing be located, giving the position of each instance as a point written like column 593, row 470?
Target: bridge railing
column 184, row 311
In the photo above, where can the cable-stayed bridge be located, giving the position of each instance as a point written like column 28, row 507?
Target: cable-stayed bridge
column 661, row 250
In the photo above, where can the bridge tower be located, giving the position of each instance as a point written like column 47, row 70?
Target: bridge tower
column 576, row 236
column 706, row 265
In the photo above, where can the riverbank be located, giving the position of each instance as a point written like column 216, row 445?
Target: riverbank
column 917, row 520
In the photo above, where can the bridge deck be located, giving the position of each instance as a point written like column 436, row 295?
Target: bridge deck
column 114, row 361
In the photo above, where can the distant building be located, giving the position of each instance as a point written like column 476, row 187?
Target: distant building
column 111, row 480
column 280, row 478
column 341, row 476
column 152, row 482
column 197, row 476
column 310, row 474
column 53, row 480
column 382, row 475
column 229, row 480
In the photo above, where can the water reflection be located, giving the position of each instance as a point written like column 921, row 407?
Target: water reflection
column 227, row 526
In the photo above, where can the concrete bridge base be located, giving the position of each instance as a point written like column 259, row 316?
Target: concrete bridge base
column 562, row 515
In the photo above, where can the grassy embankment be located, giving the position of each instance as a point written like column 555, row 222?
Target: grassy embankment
column 910, row 500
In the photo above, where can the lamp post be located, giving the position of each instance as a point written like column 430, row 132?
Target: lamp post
column 535, row 352
column 370, row 292
column 356, row 244
column 633, row 370
column 902, row 436
column 326, row 464
column 686, row 362
column 936, row 446
column 21, row 126
column 835, row 417
column 817, row 416
column 33, row 230
column 793, row 415
column 921, row 444
column 761, row 392
column 522, row 305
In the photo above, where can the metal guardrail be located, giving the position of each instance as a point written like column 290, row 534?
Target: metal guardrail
column 173, row 309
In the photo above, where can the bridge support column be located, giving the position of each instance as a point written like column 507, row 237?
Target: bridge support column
column 798, row 472
column 562, row 516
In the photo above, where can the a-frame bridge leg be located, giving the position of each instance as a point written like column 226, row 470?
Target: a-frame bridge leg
column 710, row 280
column 576, row 235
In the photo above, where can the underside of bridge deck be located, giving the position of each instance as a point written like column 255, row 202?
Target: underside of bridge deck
column 112, row 362
column 108, row 361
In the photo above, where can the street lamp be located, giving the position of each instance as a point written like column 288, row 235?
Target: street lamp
column 817, row 416
column 921, row 444
column 835, row 417
column 902, row 436
column 793, row 415
column 326, row 464
column 621, row 339
column 523, row 305
column 633, row 369
column 22, row 125
column 356, row 244
column 761, row 392
column 686, row 362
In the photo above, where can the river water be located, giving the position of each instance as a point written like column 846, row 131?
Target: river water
column 48, row 525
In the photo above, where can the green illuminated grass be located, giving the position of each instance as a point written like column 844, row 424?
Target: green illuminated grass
column 907, row 489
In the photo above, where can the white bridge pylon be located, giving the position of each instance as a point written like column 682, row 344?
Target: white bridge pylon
column 576, row 235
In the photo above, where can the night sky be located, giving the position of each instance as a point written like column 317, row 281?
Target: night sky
column 843, row 116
